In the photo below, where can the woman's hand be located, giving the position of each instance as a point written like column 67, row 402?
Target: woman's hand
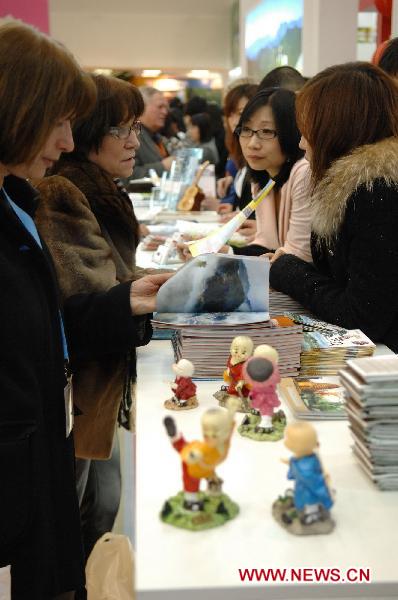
column 255, row 189
column 183, row 251
column 143, row 293
column 273, row 256
column 143, row 230
column 223, row 184
column 249, row 230
column 228, row 214
column 225, row 208
column 152, row 242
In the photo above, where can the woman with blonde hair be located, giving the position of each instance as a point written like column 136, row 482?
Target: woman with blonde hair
column 41, row 89
column 348, row 117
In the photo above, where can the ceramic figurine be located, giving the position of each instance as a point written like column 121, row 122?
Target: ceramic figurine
column 261, row 374
column 191, row 508
column 304, row 510
column 241, row 350
column 184, row 390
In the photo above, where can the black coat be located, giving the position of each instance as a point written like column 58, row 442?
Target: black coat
column 353, row 281
column 39, row 514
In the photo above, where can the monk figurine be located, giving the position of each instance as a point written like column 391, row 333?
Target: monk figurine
column 241, row 349
column 305, row 510
column 184, row 390
column 193, row 509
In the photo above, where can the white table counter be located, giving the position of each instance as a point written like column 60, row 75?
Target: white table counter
column 178, row 564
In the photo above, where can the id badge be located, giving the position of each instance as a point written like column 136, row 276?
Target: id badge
column 68, row 397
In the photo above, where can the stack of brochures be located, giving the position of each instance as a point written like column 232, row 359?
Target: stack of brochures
column 216, row 297
column 314, row 398
column 208, row 347
column 326, row 348
column 280, row 303
column 371, row 387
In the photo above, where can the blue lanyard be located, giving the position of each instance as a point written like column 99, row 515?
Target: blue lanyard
column 30, row 226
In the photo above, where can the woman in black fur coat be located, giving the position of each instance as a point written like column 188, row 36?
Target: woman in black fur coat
column 348, row 116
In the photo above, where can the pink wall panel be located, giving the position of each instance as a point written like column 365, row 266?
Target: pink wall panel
column 34, row 12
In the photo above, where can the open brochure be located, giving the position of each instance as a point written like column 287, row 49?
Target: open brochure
column 216, row 289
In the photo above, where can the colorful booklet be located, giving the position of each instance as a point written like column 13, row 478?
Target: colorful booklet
column 314, row 397
column 216, row 289
column 327, row 347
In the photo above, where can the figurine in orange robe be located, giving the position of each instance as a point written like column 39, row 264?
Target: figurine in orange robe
column 241, row 349
column 200, row 458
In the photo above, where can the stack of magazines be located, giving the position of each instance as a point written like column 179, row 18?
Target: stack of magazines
column 216, row 297
column 208, row 347
column 280, row 303
column 326, row 348
column 371, row 387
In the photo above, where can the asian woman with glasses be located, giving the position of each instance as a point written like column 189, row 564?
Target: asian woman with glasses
column 88, row 221
column 269, row 138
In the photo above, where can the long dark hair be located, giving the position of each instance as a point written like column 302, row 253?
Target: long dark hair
column 282, row 103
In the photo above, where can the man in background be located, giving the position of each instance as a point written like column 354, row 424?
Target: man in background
column 152, row 154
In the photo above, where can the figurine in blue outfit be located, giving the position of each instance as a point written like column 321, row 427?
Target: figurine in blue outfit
column 306, row 509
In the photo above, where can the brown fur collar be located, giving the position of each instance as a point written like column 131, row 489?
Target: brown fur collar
column 108, row 203
column 361, row 167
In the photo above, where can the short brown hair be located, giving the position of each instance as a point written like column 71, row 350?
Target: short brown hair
column 118, row 101
column 231, row 101
column 344, row 107
column 40, row 83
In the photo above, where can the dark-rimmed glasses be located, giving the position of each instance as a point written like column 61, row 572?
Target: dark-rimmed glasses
column 123, row 132
column 262, row 134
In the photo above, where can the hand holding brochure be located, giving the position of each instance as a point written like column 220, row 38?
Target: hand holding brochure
column 215, row 240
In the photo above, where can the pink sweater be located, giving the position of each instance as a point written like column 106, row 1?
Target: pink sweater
column 292, row 229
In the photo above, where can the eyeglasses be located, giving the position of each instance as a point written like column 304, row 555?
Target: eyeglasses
column 262, row 134
column 122, row 133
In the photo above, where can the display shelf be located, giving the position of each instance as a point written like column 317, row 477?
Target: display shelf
column 176, row 564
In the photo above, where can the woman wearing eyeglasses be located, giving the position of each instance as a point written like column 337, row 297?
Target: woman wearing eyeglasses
column 269, row 139
column 88, row 222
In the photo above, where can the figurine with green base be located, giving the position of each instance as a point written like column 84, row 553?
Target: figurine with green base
column 306, row 509
column 241, row 349
column 261, row 374
column 191, row 508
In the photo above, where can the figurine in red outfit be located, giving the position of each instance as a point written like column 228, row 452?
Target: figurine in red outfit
column 241, row 350
column 184, row 390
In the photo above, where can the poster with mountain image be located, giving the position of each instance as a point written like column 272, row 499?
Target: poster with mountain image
column 216, row 289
